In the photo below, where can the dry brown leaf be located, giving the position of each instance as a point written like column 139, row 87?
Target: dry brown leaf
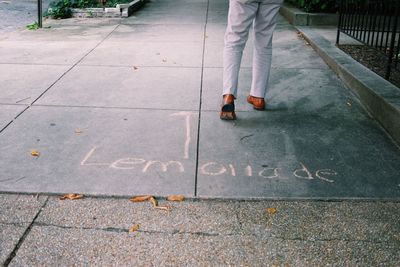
column 134, row 228
column 153, row 201
column 135, row 68
column 164, row 60
column 35, row 153
column 71, row 196
column 140, row 198
column 271, row 210
column 166, row 208
column 78, row 131
column 176, row 198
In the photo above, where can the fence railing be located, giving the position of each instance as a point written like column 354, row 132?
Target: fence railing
column 374, row 23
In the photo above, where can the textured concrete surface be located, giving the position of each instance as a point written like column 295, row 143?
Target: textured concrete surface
column 120, row 102
column 101, row 151
column 16, row 214
column 16, row 14
column 379, row 96
column 8, row 113
column 95, row 231
column 134, row 110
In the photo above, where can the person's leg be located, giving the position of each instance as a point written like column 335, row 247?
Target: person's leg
column 264, row 25
column 240, row 18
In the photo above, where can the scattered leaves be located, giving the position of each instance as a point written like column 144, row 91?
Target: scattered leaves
column 35, row 153
column 71, row 196
column 176, row 198
column 140, row 198
column 153, row 202
column 165, row 208
column 271, row 210
column 78, row 131
column 134, row 228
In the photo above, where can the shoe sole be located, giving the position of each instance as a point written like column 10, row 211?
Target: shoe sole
column 255, row 107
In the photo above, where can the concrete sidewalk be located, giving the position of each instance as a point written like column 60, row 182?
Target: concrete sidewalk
column 118, row 108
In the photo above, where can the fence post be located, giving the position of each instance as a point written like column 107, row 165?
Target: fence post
column 40, row 14
column 340, row 21
column 392, row 41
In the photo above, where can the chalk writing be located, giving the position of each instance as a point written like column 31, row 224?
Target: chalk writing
column 187, row 116
column 213, row 168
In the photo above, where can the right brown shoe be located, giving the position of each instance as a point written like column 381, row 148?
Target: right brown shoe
column 228, row 108
column 257, row 102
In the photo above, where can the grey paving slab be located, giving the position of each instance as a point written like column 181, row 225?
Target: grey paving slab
column 170, row 12
column 293, row 54
column 9, row 236
column 308, row 90
column 8, row 113
column 57, row 246
column 143, row 87
column 44, row 52
column 56, row 30
column 114, row 152
column 19, row 209
column 369, row 222
column 171, row 54
column 297, row 153
column 23, row 84
column 188, row 216
column 160, row 33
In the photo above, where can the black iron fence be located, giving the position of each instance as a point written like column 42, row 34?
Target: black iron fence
column 375, row 23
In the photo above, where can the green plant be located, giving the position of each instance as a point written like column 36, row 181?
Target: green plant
column 33, row 26
column 316, row 5
column 59, row 9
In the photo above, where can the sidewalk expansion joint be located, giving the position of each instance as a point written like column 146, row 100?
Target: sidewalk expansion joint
column 24, row 235
column 322, row 240
column 125, row 230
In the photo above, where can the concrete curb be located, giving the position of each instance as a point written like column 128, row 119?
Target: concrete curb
column 380, row 97
column 300, row 18
column 120, row 11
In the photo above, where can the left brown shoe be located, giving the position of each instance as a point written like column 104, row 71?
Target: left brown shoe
column 228, row 108
column 257, row 102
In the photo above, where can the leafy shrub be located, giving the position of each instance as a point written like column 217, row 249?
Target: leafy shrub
column 60, row 9
column 316, row 5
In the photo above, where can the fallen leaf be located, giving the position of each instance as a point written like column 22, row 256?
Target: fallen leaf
column 134, row 228
column 164, row 60
column 78, row 131
column 176, row 198
column 348, row 103
column 140, row 198
column 153, row 201
column 71, row 196
column 166, row 208
column 135, row 68
column 307, row 43
column 35, row 153
column 271, row 210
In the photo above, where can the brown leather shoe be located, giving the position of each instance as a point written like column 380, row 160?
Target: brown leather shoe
column 257, row 102
column 228, row 108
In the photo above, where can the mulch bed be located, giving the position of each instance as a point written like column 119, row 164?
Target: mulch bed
column 373, row 60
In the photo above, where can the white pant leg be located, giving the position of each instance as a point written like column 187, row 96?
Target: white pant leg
column 240, row 18
column 264, row 25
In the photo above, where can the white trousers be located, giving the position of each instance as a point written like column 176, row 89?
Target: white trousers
column 243, row 14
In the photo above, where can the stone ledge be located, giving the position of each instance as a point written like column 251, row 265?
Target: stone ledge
column 300, row 18
column 121, row 10
column 380, row 97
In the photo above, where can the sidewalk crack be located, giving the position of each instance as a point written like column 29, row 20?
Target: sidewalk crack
column 24, row 235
